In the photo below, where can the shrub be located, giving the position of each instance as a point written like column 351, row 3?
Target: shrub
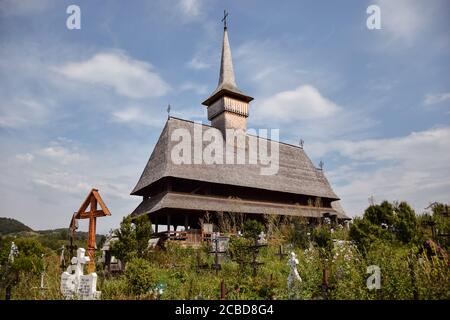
column 252, row 229
column 115, row 289
column 140, row 276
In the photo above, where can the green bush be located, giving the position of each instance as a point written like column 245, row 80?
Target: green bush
column 252, row 229
column 140, row 276
column 115, row 289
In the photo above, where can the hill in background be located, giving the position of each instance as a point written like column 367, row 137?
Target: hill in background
column 9, row 225
column 53, row 238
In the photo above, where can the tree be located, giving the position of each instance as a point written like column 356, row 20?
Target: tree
column 28, row 260
column 440, row 217
column 386, row 222
column 125, row 247
column 380, row 214
column 252, row 229
column 143, row 229
column 406, row 223
column 300, row 232
column 133, row 236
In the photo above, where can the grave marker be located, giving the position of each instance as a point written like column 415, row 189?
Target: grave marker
column 75, row 285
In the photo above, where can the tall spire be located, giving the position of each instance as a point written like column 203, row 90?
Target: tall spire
column 227, row 105
column 226, row 76
column 227, row 81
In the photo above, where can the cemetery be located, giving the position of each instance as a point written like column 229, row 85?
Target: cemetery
column 273, row 260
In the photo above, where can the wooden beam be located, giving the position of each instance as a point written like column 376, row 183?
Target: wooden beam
column 91, row 235
column 100, row 202
column 85, row 203
column 87, row 214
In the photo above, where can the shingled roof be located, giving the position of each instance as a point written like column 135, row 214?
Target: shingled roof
column 175, row 200
column 296, row 173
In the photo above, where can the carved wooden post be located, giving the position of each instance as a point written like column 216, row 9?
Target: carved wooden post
column 168, row 226
column 92, row 200
column 223, row 292
column 92, row 230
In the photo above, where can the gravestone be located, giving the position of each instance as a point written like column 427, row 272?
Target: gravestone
column 219, row 246
column 13, row 252
column 152, row 243
column 262, row 238
column 293, row 275
column 208, row 228
column 76, row 285
column 222, row 243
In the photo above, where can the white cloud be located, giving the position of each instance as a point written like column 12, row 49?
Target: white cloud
column 200, row 89
column 190, row 8
column 62, row 155
column 128, row 77
column 56, row 190
column 252, row 59
column 197, row 64
column 137, row 115
column 414, row 168
column 26, row 157
column 405, row 20
column 302, row 103
column 431, row 99
column 62, row 181
column 22, row 112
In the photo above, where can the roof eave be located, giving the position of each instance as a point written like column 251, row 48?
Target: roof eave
column 217, row 95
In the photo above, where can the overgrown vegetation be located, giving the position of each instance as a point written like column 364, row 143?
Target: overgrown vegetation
column 388, row 235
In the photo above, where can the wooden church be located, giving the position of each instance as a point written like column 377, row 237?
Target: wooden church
column 189, row 198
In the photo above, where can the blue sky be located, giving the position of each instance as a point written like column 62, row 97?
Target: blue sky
column 83, row 108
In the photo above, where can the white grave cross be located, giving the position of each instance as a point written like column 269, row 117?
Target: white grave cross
column 75, row 284
column 262, row 238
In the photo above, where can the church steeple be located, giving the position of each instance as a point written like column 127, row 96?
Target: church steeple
column 227, row 105
column 226, row 63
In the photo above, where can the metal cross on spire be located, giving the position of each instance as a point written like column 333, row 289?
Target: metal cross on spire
column 168, row 111
column 224, row 20
column 302, row 142
column 321, row 164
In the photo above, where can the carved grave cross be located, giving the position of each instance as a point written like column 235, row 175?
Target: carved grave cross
column 91, row 201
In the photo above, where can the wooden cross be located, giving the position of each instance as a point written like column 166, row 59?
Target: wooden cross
column 280, row 252
column 91, row 201
column 224, row 20
column 255, row 251
column 72, row 228
column 325, row 286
